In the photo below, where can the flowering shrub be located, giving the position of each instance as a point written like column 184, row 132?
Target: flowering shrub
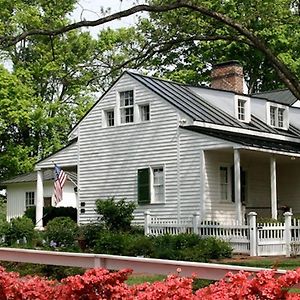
column 102, row 284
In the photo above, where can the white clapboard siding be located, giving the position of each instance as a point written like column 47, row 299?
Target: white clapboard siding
column 66, row 157
column 110, row 157
column 288, row 176
column 193, row 183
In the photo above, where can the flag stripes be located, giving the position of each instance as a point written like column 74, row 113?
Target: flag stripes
column 59, row 181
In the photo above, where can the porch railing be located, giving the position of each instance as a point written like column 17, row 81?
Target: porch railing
column 255, row 239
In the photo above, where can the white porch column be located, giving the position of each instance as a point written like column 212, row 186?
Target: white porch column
column 39, row 200
column 237, row 186
column 273, row 187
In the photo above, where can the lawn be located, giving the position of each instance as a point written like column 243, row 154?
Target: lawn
column 278, row 262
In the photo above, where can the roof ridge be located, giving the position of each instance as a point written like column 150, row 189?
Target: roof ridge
column 271, row 91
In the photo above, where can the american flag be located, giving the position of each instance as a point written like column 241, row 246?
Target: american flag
column 59, row 181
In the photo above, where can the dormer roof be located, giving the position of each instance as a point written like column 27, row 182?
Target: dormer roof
column 283, row 96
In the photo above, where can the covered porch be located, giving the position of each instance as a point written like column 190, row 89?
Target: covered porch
column 240, row 180
column 67, row 160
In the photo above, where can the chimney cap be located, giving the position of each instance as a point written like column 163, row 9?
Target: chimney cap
column 226, row 63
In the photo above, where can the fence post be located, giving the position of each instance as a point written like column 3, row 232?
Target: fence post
column 196, row 222
column 287, row 232
column 252, row 234
column 147, row 222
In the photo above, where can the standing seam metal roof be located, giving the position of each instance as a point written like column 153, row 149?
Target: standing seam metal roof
column 283, row 96
column 186, row 100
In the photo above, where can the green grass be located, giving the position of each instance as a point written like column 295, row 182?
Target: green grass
column 138, row 279
column 277, row 263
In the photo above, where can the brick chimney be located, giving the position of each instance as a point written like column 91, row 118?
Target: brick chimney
column 228, row 76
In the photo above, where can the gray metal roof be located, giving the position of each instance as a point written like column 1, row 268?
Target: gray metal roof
column 183, row 98
column 249, row 140
column 32, row 177
column 283, row 96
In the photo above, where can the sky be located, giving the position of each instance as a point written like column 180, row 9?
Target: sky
column 91, row 10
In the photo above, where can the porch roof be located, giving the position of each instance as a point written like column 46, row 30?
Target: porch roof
column 250, row 141
column 32, row 177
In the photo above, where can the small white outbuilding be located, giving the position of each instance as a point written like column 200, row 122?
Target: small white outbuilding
column 21, row 192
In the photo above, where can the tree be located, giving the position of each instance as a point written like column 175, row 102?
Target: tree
column 218, row 14
column 195, row 41
column 47, row 90
column 59, row 68
column 17, row 121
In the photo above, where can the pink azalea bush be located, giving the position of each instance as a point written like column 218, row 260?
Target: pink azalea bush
column 101, row 284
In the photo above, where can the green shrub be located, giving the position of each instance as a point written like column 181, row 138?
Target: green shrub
column 4, row 231
column 61, row 232
column 190, row 247
column 49, row 213
column 120, row 243
column 165, row 247
column 116, row 215
column 213, row 248
column 139, row 245
column 21, row 229
column 90, row 233
column 111, row 243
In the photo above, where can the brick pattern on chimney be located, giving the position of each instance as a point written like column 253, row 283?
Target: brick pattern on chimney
column 228, row 77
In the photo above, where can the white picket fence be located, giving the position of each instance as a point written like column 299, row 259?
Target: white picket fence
column 255, row 239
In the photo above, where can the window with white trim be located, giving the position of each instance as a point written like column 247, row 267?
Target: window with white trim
column 242, row 108
column 144, row 111
column 225, row 183
column 151, row 185
column 29, row 199
column 278, row 115
column 126, row 107
column 158, row 186
column 109, row 116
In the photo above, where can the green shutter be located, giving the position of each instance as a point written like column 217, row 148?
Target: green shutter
column 144, row 186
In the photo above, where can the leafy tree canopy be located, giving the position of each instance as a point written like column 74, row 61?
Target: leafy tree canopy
column 193, row 41
column 56, row 68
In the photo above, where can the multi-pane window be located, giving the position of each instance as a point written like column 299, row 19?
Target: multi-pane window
column 158, row 185
column 145, row 112
column 110, row 118
column 29, row 199
column 280, row 112
column 126, row 107
column 241, row 109
column 277, row 116
column 273, row 115
column 224, row 183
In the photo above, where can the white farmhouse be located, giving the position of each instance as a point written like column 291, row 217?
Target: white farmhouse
column 176, row 149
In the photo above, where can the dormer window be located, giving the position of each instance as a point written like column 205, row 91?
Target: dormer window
column 242, row 109
column 126, row 107
column 278, row 115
